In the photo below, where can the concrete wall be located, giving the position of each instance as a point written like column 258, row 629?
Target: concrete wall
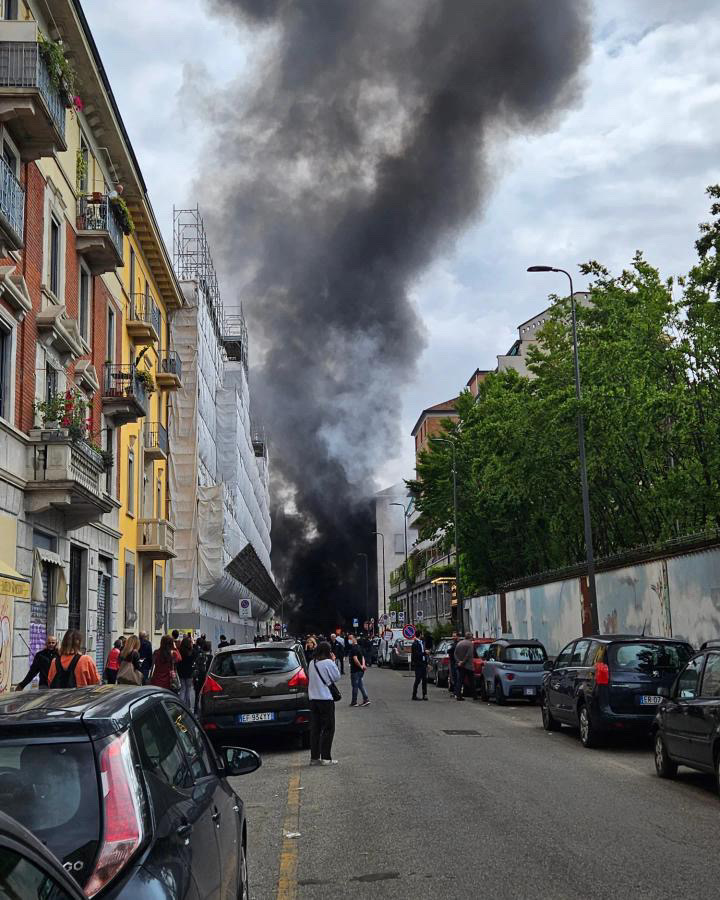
column 676, row 597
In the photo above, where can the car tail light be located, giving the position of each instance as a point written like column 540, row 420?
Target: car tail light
column 210, row 686
column 509, row 676
column 301, row 719
column 299, row 679
column 602, row 673
column 210, row 726
column 122, row 801
column 445, row 659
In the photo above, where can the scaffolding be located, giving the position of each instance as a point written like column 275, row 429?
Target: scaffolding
column 193, row 261
column 235, row 338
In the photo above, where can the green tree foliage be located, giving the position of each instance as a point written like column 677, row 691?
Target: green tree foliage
column 649, row 361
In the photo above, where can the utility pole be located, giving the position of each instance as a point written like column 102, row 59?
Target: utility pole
column 460, row 614
column 407, row 573
column 383, row 571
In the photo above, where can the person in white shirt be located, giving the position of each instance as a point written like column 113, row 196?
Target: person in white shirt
column 322, row 672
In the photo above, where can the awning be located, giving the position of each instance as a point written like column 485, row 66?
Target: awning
column 248, row 569
column 49, row 556
column 12, row 583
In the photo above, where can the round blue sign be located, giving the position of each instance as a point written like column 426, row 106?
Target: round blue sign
column 409, row 632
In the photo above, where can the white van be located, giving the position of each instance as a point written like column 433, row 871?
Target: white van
column 388, row 640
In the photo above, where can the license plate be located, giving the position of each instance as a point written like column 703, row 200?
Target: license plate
column 650, row 700
column 256, row 717
column 529, row 692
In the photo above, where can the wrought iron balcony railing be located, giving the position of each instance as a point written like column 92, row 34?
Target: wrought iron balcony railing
column 95, row 212
column 12, row 203
column 22, row 66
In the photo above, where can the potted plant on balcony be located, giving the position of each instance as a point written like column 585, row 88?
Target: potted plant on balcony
column 51, row 411
column 147, row 380
column 123, row 213
column 75, row 415
column 62, row 74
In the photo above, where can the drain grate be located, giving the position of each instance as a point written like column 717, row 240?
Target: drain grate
column 467, row 731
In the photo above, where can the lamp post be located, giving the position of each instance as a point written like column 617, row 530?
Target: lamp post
column 367, row 586
column 581, row 453
column 461, row 617
column 407, row 574
column 376, row 533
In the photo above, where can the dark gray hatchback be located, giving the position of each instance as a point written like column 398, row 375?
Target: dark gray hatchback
column 612, row 682
column 257, row 688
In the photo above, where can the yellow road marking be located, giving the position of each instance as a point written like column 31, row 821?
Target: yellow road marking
column 287, row 878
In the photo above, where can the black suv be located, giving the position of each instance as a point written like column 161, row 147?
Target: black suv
column 610, row 682
column 688, row 723
column 121, row 784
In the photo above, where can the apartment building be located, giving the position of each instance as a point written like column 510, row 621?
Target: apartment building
column 86, row 292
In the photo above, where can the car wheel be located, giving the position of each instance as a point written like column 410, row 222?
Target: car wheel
column 550, row 723
column 499, row 696
column 244, row 886
column 588, row 732
column 664, row 766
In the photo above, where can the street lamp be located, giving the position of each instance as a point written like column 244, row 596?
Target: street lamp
column 367, row 586
column 581, row 452
column 407, row 574
column 461, row 618
column 383, row 569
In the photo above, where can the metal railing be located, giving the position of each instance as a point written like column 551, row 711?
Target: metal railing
column 95, row 212
column 87, row 466
column 156, row 437
column 123, row 382
column 171, row 364
column 12, row 200
column 144, row 309
column 22, row 66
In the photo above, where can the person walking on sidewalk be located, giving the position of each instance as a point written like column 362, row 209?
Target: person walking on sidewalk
column 452, row 676
column 323, row 673
column 465, row 671
column 418, row 659
column 357, row 671
column 41, row 663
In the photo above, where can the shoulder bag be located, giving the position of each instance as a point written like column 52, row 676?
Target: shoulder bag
column 335, row 693
column 128, row 674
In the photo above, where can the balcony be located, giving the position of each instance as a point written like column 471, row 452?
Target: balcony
column 29, row 101
column 143, row 322
column 99, row 234
column 169, row 376
column 67, row 476
column 125, row 396
column 156, row 539
column 156, row 441
column 12, row 208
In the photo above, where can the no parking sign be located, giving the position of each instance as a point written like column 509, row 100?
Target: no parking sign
column 409, row 632
column 245, row 609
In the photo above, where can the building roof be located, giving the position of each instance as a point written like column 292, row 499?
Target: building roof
column 476, row 373
column 449, row 407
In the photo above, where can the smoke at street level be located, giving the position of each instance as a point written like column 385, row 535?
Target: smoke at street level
column 337, row 170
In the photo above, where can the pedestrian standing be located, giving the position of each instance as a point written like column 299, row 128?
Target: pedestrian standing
column 342, row 651
column 146, row 652
column 41, row 664
column 310, row 648
column 357, row 671
column 202, row 664
column 129, row 671
column 464, row 652
column 223, row 642
column 418, row 659
column 323, row 673
column 112, row 663
column 74, row 668
column 452, row 676
column 165, row 659
column 188, row 655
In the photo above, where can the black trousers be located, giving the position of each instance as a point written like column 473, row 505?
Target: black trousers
column 420, row 677
column 322, row 728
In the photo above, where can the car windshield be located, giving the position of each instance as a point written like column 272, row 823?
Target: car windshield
column 481, row 650
column 524, row 654
column 254, row 662
column 648, row 657
column 52, row 790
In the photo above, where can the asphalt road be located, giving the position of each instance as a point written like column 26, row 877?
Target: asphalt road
column 508, row 811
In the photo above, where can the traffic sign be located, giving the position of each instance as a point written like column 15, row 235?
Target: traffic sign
column 245, row 609
column 409, row 632
column 419, row 615
column 385, row 618
column 355, row 623
column 387, row 634
column 393, row 617
column 401, row 617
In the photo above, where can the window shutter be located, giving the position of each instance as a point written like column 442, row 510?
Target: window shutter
column 159, row 603
column 130, row 612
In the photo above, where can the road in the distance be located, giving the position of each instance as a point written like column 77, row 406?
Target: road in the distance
column 511, row 812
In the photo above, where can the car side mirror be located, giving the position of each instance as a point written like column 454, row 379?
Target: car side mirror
column 548, row 665
column 239, row 761
column 663, row 692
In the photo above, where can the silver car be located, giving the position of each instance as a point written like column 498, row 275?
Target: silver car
column 513, row 670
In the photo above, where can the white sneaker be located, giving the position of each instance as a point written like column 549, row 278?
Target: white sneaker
column 328, row 762
column 315, row 762
column 365, row 703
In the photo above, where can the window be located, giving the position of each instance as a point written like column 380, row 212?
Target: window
column 130, row 612
column 132, row 272
column 687, row 683
column 711, row 678
column 51, row 382
column 54, row 261
column 5, row 372
column 647, row 657
column 9, row 9
column 523, row 654
column 579, row 652
column 84, row 303
column 191, row 741
column 158, row 500
column 76, row 580
column 255, row 662
column 110, row 448
column 159, row 748
column 11, row 156
column 131, row 483
column 592, row 655
column 110, row 348
column 564, row 657
column 399, row 543
column 23, row 877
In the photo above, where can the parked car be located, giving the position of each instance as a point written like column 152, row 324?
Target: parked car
column 513, row 670
column 439, row 663
column 387, row 639
column 253, row 689
column 480, row 648
column 687, row 726
column 610, row 682
column 28, row 869
column 123, row 787
column 400, row 653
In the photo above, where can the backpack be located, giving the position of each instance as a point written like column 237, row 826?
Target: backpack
column 65, row 678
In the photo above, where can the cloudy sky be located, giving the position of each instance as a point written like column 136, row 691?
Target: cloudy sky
column 624, row 170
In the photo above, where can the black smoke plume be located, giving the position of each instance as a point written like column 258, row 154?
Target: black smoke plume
column 352, row 156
